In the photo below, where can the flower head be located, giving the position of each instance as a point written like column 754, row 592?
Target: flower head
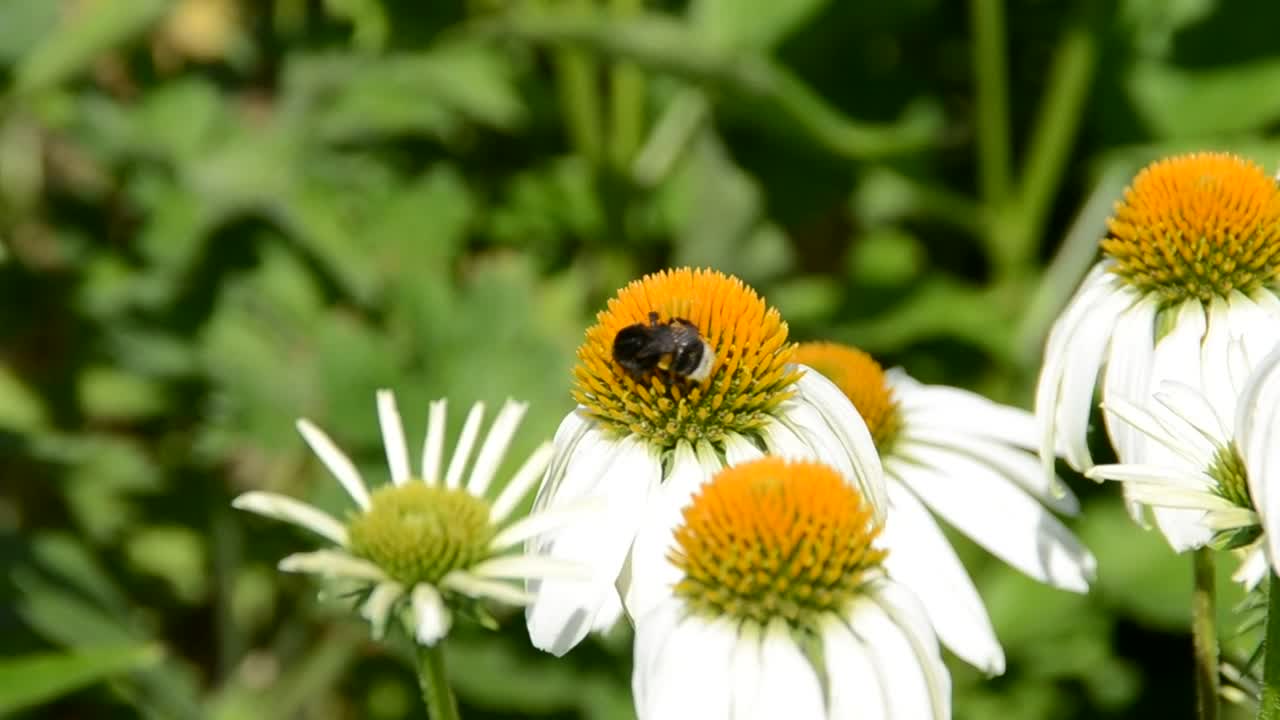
column 1189, row 265
column 422, row 547
column 783, row 608
column 970, row 461
column 646, row 435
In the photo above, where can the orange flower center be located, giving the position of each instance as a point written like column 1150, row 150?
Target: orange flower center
column 666, row 396
column 1197, row 225
column 773, row 538
column 862, row 380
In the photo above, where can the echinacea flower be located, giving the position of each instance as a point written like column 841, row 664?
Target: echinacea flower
column 425, row 545
column 1213, row 455
column 971, row 461
column 644, row 442
column 783, row 609
column 1190, row 263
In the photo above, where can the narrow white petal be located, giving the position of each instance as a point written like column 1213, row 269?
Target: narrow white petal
column 1215, row 371
column 1164, row 495
column 652, row 575
column 738, row 449
column 789, row 686
column 393, row 437
column 838, row 426
column 1177, row 357
column 281, row 507
column 905, row 684
column 377, row 608
column 746, row 671
column 433, row 443
column 1257, row 428
column 1230, row 518
column 953, row 410
column 495, row 446
column 904, row 609
column 1193, row 408
column 998, row 516
column 921, row 558
column 1166, row 448
column 692, row 680
column 623, row 474
column 333, row 563
column 1087, row 351
column 430, row 615
column 481, row 588
column 541, row 522
column 1128, row 375
column 1253, row 570
column 853, row 681
column 462, row 451
column 526, row 567
column 781, row 440
column 1184, row 477
column 521, row 483
column 337, row 462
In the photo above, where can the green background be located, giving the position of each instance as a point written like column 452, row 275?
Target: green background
column 216, row 218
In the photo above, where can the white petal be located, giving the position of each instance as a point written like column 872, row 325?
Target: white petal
column 906, row 612
column 1255, row 321
column 746, row 671
column 393, row 437
column 281, row 507
column 377, row 608
column 433, row 443
column 526, row 567
column 476, row 587
column 495, row 446
column 333, row 563
column 1159, row 474
column 1169, row 446
column 574, row 429
column 998, row 516
column 1128, row 375
column 541, row 522
column 738, row 449
column 692, row 680
column 852, row 679
column 653, row 631
column 462, row 451
column 1177, row 357
column 1087, row 350
column 1215, row 371
column 521, row 483
column 337, row 462
column 652, row 576
column 1231, row 518
column 623, row 474
column 921, row 558
column 1193, row 409
column 431, row 617
column 839, row 421
column 1253, row 570
column 906, row 685
column 1258, row 428
column 789, row 686
column 781, row 440
column 955, row 410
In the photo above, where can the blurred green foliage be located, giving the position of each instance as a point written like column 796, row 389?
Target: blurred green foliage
column 217, row 216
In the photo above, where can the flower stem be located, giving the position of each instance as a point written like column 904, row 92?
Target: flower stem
column 1269, row 709
column 1205, row 634
column 436, row 694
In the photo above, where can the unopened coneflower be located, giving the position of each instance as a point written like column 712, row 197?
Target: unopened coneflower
column 782, row 608
column 1190, row 263
column 424, row 546
column 685, row 372
column 971, row 461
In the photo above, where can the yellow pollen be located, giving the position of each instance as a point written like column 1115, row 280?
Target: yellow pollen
column 861, row 379
column 774, row 538
column 1195, row 226
column 749, row 375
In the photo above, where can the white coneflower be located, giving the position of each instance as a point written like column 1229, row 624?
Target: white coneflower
column 782, row 609
column 1189, row 263
column 424, row 545
column 1213, row 456
column 644, row 442
column 973, row 462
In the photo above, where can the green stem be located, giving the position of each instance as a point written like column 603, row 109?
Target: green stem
column 626, row 100
column 987, row 17
column 1269, row 708
column 1205, row 635
column 576, row 76
column 436, row 694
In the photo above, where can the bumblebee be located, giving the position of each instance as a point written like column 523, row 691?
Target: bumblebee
column 674, row 347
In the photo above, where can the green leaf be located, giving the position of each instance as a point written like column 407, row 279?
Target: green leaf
column 33, row 679
column 82, row 37
column 725, row 24
column 21, row 409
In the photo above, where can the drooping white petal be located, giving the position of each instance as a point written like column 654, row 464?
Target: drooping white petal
column 1215, row 371
column 281, row 507
column 431, row 618
column 337, row 462
column 746, row 671
column 838, row 426
column 477, row 587
column 1160, row 474
column 906, row 612
column 953, row 410
column 495, row 446
column 1196, row 413
column 462, row 451
column 921, row 558
column 998, row 516
column 377, row 608
column 789, row 686
column 783, row 441
column 1230, row 518
column 333, row 563
column 1258, row 428
column 393, row 437
column 653, row 631
column 1080, row 377
column 1255, row 322
column 623, row 474
column 1128, row 375
column 433, row 443
column 1173, row 450
column 905, row 685
column 573, row 430
column 652, row 576
column 738, row 449
column 853, row 682
column 692, row 680
column 521, row 483
column 1253, row 570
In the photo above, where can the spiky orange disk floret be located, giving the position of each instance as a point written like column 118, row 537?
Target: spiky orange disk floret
column 861, row 379
column 775, row 539
column 749, row 378
column 1195, row 226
